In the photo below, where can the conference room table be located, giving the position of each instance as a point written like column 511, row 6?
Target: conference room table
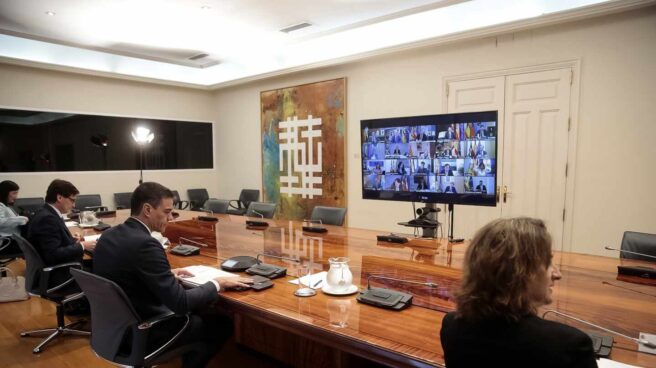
column 338, row 331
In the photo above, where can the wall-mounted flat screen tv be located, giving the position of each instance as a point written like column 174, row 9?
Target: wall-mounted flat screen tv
column 447, row 158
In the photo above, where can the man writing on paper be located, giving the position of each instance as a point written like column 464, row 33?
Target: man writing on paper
column 128, row 255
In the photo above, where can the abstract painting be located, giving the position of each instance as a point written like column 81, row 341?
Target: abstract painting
column 303, row 144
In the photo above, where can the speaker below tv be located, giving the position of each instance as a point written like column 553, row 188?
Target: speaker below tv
column 447, row 158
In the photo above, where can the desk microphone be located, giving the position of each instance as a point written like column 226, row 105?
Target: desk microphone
column 628, row 251
column 257, row 223
column 257, row 213
column 272, row 256
column 180, row 239
column 387, row 298
column 429, row 284
column 643, row 342
column 315, row 221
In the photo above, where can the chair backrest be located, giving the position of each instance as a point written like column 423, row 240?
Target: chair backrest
column 265, row 209
column 34, row 264
column 122, row 200
column 197, row 197
column 28, row 206
column 329, row 215
column 249, row 195
column 177, row 202
column 216, row 205
column 87, row 200
column 112, row 316
column 640, row 243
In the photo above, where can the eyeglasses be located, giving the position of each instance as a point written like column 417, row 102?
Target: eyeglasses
column 72, row 199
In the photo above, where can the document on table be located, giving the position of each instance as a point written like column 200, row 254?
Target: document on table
column 203, row 274
column 92, row 237
column 607, row 363
column 315, row 280
column 71, row 223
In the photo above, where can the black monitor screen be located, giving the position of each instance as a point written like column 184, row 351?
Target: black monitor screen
column 449, row 158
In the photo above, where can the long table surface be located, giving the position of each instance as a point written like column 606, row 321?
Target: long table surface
column 589, row 288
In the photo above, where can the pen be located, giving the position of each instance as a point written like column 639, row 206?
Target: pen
column 317, row 284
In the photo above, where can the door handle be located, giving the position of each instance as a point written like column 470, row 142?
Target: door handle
column 505, row 193
column 498, row 193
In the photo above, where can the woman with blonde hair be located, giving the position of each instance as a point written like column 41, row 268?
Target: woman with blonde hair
column 507, row 275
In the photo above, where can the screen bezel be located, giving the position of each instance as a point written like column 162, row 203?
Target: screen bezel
column 472, row 199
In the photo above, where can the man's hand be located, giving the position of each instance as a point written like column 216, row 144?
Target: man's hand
column 181, row 273
column 234, row 283
column 78, row 237
column 89, row 245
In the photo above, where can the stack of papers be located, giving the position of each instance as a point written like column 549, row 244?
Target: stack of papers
column 203, row 274
column 71, row 223
column 607, row 363
column 92, row 237
column 315, row 280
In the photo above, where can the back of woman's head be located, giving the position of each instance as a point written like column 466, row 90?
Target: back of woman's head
column 500, row 264
column 6, row 187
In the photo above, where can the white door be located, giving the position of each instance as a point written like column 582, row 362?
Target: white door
column 485, row 94
column 537, row 112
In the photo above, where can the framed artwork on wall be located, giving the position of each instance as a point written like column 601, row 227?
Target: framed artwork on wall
column 303, row 147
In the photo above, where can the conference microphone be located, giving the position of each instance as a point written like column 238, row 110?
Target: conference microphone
column 387, row 298
column 628, row 251
column 190, row 242
column 257, row 223
column 257, row 213
column 257, row 259
column 642, row 342
column 429, row 284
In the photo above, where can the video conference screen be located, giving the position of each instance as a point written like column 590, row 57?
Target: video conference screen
column 449, row 158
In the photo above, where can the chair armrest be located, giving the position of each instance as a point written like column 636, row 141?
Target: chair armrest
column 73, row 297
column 171, row 341
column 235, row 201
column 183, row 205
column 4, row 242
column 120, row 207
column 45, row 277
column 155, row 320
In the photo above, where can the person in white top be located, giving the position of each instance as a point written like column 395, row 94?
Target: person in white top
column 10, row 222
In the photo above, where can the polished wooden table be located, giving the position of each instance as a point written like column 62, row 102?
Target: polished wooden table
column 338, row 331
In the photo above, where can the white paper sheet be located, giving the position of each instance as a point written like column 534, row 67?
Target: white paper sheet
column 203, row 274
column 315, row 280
column 607, row 363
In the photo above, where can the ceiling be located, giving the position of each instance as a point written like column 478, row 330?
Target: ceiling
column 214, row 43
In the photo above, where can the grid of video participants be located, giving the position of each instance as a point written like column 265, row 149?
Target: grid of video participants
column 450, row 158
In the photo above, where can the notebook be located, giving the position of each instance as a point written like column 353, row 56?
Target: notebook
column 203, row 274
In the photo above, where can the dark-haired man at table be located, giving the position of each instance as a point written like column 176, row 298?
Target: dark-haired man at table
column 128, row 255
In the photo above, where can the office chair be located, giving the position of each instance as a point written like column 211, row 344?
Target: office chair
column 89, row 202
column 640, row 243
column 329, row 215
column 8, row 251
column 122, row 200
column 37, row 278
column 177, row 202
column 239, row 206
column 216, row 205
column 28, row 206
column 197, row 198
column 267, row 210
column 119, row 334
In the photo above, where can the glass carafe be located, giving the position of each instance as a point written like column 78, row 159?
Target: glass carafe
column 339, row 278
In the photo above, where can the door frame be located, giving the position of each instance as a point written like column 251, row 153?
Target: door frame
column 575, row 66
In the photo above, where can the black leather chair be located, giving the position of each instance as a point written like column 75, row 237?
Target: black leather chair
column 328, row 215
column 89, row 202
column 37, row 281
column 119, row 334
column 639, row 243
column 177, row 202
column 216, row 205
column 122, row 200
column 28, row 206
column 8, row 251
column 197, row 198
column 239, row 206
column 266, row 210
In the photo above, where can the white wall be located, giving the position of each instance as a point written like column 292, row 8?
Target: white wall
column 615, row 168
column 37, row 89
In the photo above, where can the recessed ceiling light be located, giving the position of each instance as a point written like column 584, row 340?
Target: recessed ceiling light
column 50, row 13
column 206, row 7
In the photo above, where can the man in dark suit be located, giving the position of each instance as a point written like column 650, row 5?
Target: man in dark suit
column 48, row 233
column 128, row 255
column 481, row 187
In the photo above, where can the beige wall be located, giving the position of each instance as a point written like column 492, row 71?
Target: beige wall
column 29, row 88
column 615, row 168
